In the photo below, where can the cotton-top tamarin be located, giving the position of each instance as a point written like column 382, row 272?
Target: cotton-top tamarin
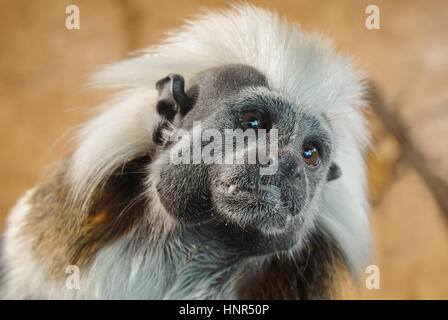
column 137, row 224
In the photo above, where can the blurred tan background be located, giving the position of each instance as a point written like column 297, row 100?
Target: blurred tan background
column 43, row 68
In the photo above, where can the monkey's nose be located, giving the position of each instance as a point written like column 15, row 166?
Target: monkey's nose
column 295, row 172
column 290, row 166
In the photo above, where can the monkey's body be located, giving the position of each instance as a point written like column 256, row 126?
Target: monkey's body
column 136, row 266
column 138, row 226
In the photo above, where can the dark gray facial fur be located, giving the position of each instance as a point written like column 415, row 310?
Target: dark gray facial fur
column 234, row 204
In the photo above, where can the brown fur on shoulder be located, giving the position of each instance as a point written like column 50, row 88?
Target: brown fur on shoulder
column 308, row 275
column 59, row 239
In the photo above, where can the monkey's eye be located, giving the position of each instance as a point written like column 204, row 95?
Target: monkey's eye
column 251, row 120
column 310, row 155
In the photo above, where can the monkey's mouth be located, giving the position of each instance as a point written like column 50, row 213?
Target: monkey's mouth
column 255, row 198
column 268, row 193
column 266, row 207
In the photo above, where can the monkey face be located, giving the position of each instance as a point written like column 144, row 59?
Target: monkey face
column 262, row 203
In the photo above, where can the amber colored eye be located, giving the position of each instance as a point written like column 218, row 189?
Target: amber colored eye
column 310, row 155
column 251, row 120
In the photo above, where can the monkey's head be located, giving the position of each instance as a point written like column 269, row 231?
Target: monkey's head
column 243, row 69
column 266, row 200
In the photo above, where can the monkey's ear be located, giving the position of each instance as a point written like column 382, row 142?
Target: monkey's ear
column 172, row 97
column 172, row 101
column 334, row 172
